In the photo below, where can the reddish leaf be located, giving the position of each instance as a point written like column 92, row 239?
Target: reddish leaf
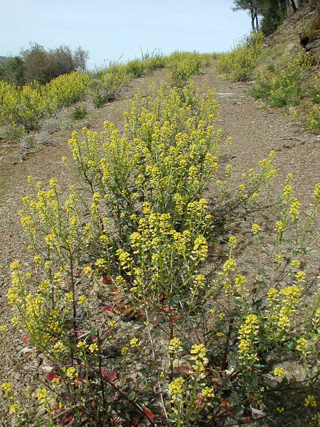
column 226, row 405
column 109, row 376
column 166, row 309
column 106, row 280
column 107, row 307
column 51, row 377
column 175, row 318
column 148, row 412
column 68, row 419
column 26, row 339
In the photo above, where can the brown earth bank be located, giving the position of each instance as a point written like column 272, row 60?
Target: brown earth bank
column 255, row 129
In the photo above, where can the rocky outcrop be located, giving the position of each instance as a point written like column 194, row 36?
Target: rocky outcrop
column 310, row 36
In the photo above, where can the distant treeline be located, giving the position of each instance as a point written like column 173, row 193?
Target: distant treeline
column 41, row 65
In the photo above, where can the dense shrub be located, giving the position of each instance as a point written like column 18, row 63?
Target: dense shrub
column 106, row 83
column 281, row 82
column 41, row 65
column 183, row 65
column 135, row 68
column 240, row 63
column 25, row 106
column 12, row 70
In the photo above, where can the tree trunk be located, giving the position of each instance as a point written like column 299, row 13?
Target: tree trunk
column 292, row 6
column 295, row 5
column 257, row 22
column 252, row 19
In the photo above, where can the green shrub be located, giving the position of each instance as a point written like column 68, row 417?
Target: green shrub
column 107, row 83
column 156, row 63
column 281, row 83
column 135, row 68
column 182, row 66
column 154, row 60
column 79, row 113
column 44, row 65
column 239, row 64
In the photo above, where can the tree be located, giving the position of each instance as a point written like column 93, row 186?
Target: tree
column 251, row 7
column 80, row 58
column 13, row 71
column 273, row 12
column 44, row 65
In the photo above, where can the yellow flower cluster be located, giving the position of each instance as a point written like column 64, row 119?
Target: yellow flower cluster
column 42, row 395
column 168, row 153
column 6, row 389
column 256, row 229
column 248, row 333
column 176, row 390
column 282, row 305
column 241, row 61
column 207, row 393
column 27, row 105
column 175, row 346
column 199, row 352
column 303, row 346
column 310, row 401
column 280, row 373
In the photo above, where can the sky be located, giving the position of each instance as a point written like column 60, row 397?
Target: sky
column 114, row 29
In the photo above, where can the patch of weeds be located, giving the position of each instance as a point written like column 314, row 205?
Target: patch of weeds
column 183, row 65
column 135, row 68
column 313, row 119
column 107, row 83
column 79, row 113
column 281, row 83
column 239, row 64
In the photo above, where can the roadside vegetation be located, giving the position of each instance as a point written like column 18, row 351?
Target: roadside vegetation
column 132, row 315
column 23, row 107
column 239, row 64
column 289, row 82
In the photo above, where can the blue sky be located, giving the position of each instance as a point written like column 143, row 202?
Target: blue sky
column 109, row 29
